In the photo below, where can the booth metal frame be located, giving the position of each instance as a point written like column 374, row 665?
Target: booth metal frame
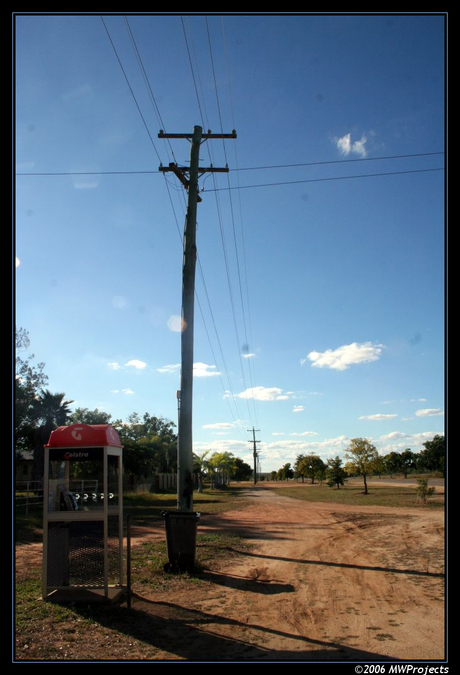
column 85, row 591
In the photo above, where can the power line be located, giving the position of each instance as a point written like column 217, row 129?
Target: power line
column 159, row 117
column 319, row 180
column 237, row 170
column 196, row 77
column 339, row 161
column 130, row 88
column 233, row 221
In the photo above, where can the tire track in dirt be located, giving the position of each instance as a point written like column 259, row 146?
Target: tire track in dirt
column 348, row 580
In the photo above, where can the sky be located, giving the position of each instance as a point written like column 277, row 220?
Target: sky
column 320, row 283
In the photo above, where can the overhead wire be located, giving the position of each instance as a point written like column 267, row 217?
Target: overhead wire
column 333, row 178
column 168, row 186
column 130, row 88
column 159, row 117
column 247, row 168
column 197, row 82
column 237, row 257
column 195, row 77
column 235, row 148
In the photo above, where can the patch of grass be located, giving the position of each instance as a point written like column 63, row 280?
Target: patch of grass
column 208, row 501
column 28, row 527
column 51, row 631
column 148, row 558
column 378, row 495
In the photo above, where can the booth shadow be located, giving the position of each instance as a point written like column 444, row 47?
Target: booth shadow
column 190, row 635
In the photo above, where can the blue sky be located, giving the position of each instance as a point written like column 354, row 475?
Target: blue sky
column 320, row 284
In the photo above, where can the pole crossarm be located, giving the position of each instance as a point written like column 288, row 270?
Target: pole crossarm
column 182, row 169
column 204, row 137
column 183, row 172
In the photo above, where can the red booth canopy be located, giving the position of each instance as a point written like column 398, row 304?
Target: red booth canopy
column 84, row 435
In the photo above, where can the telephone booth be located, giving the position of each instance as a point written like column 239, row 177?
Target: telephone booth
column 83, row 514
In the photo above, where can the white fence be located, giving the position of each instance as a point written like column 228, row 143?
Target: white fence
column 159, row 482
column 28, row 494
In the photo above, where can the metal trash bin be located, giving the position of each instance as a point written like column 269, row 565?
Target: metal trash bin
column 181, row 527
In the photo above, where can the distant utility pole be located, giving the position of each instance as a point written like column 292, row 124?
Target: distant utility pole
column 188, row 176
column 255, row 455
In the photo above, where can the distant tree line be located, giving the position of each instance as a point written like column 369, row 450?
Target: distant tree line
column 149, row 442
column 363, row 459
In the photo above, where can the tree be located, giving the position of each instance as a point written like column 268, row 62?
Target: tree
column 299, row 467
column 423, row 491
column 408, row 461
column 286, row 472
column 379, row 465
column 311, row 466
column 51, row 411
column 29, row 380
column 433, row 457
column 222, row 465
column 393, row 462
column 86, row 416
column 335, row 473
column 242, row 470
column 362, row 456
column 199, row 468
column 150, row 444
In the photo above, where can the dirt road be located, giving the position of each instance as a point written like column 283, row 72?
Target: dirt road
column 321, row 582
column 318, row 582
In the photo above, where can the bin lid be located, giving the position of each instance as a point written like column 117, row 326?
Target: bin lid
column 84, row 435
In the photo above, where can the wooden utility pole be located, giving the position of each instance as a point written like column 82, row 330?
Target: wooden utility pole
column 255, row 455
column 189, row 178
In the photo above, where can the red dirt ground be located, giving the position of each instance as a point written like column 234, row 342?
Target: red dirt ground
column 320, row 582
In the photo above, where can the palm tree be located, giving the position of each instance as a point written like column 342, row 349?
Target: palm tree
column 52, row 411
column 199, row 468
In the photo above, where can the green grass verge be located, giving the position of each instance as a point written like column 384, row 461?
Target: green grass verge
column 378, row 495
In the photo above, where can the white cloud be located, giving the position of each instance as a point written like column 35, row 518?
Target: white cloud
column 345, row 356
column 114, row 365
column 263, row 394
column 358, row 147
column 305, row 433
column 378, row 416
column 346, row 147
column 119, row 302
column 344, row 144
column 298, row 408
column 172, row 368
column 219, row 425
column 394, row 436
column 85, row 185
column 429, row 412
column 248, row 356
column 203, row 370
column 128, row 392
column 397, row 441
column 135, row 363
column 280, row 451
